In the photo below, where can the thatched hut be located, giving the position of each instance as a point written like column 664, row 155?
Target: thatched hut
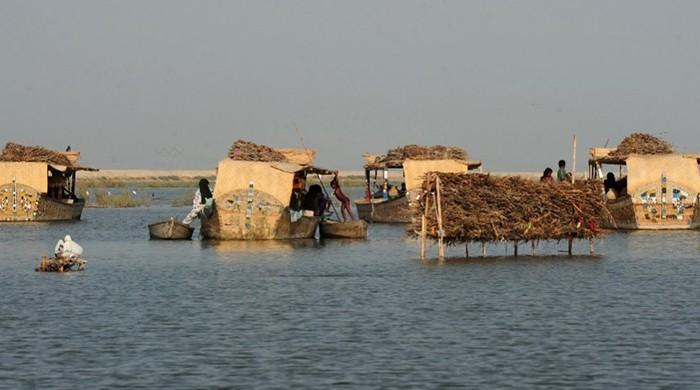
column 458, row 208
column 648, row 185
column 38, row 184
column 387, row 203
column 259, row 193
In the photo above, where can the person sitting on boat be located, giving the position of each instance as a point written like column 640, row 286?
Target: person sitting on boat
column 610, row 183
column 67, row 248
column 547, row 176
column 315, row 201
column 202, row 201
column 344, row 200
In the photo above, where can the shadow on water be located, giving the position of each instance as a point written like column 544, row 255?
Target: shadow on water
column 523, row 259
column 259, row 246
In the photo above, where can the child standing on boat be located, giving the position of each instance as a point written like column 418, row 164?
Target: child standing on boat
column 202, row 198
column 344, row 200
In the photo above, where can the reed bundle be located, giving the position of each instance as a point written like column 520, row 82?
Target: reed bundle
column 60, row 264
column 20, row 153
column 250, row 151
column 640, row 143
column 480, row 207
column 418, row 152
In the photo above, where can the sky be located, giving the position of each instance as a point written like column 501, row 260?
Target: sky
column 171, row 84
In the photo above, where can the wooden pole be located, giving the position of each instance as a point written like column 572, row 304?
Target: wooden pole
column 483, row 249
column 571, row 241
column 573, row 165
column 533, row 247
column 423, row 228
column 441, row 233
column 466, row 250
column 515, row 248
column 591, row 248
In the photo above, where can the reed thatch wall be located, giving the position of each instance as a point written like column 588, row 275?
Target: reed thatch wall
column 480, row 207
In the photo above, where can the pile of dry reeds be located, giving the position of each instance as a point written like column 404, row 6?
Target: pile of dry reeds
column 480, row 207
column 418, row 152
column 250, row 151
column 60, row 264
column 640, row 143
column 20, row 153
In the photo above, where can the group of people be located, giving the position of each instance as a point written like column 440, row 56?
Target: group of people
column 562, row 174
column 315, row 200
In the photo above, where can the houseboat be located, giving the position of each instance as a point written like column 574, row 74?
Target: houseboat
column 648, row 191
column 40, row 190
column 262, row 200
column 386, row 202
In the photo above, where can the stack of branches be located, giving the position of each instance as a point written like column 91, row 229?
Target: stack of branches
column 418, row 152
column 61, row 264
column 20, row 153
column 640, row 143
column 479, row 207
column 250, row 151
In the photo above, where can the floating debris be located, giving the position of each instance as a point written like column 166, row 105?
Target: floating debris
column 61, row 264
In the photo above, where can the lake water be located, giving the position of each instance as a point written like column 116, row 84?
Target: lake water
column 340, row 314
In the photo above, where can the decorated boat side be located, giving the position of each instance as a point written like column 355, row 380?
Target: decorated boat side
column 648, row 186
column 38, row 184
column 385, row 202
column 261, row 195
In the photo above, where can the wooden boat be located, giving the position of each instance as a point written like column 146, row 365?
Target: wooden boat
column 39, row 191
column 397, row 209
column 349, row 229
column 394, row 210
column 655, row 192
column 170, row 230
column 254, row 201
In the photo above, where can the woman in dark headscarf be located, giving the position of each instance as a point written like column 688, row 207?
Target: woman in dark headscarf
column 202, row 199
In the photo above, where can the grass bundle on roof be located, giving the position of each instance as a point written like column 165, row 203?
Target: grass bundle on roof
column 250, row 151
column 20, row 153
column 640, row 143
column 480, row 207
column 418, row 152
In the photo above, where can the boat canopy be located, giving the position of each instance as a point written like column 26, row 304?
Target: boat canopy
column 274, row 178
column 33, row 174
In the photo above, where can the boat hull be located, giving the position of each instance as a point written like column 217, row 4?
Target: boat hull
column 170, row 230
column 233, row 224
column 626, row 215
column 384, row 211
column 351, row 229
column 20, row 203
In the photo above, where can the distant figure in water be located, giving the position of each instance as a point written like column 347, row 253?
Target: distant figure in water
column 547, row 176
column 202, row 198
column 344, row 200
column 68, row 148
column 67, row 248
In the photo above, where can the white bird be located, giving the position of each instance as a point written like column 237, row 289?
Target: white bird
column 87, row 193
column 109, row 193
column 133, row 192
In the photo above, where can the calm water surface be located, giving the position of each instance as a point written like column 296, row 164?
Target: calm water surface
column 340, row 314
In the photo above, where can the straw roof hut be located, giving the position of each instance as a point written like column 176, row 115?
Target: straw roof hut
column 483, row 208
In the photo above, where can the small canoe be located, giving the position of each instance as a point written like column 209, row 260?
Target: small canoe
column 350, row 229
column 170, row 230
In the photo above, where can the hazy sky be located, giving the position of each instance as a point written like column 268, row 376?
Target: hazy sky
column 171, row 84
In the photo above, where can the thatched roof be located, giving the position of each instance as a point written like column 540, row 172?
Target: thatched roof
column 250, row 151
column 480, row 207
column 636, row 143
column 20, row 153
column 394, row 158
